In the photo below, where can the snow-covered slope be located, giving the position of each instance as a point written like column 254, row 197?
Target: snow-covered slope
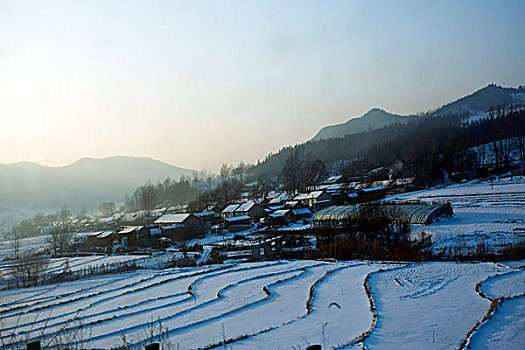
column 488, row 212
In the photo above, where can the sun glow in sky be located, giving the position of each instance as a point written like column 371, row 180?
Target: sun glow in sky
column 200, row 83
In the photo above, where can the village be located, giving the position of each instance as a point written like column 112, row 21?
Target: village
column 253, row 228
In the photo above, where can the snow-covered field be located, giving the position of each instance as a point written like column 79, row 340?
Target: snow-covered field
column 59, row 265
column 278, row 305
column 486, row 212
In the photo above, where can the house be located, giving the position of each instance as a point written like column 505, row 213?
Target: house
column 277, row 219
column 373, row 194
column 99, row 239
column 333, row 179
column 134, row 218
column 133, row 236
column 250, row 208
column 229, row 211
column 404, row 184
column 181, row 226
column 209, row 217
column 287, row 213
column 269, row 248
column 315, row 199
column 301, row 213
column 382, row 183
column 238, row 223
column 280, row 198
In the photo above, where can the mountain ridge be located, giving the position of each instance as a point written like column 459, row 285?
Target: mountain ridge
column 87, row 181
column 480, row 100
column 375, row 118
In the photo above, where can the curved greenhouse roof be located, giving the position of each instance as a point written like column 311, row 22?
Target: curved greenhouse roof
column 413, row 213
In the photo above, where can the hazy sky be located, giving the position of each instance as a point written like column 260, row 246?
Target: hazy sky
column 199, row 83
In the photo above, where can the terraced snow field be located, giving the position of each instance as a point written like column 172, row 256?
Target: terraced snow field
column 277, row 305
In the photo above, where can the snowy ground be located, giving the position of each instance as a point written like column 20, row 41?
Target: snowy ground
column 278, row 305
column 492, row 213
column 58, row 265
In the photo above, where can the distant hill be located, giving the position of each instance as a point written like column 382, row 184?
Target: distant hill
column 373, row 119
column 86, row 182
column 353, row 139
column 484, row 99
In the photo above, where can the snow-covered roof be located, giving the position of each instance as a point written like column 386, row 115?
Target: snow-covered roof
column 333, row 179
column 403, row 181
column 314, row 194
column 230, row 208
column 272, row 194
column 172, row 218
column 245, row 206
column 333, row 187
column 105, row 234
column 93, row 234
column 130, row 217
column 311, row 195
column 129, row 229
column 301, row 196
column 362, row 185
column 282, row 211
column 382, row 183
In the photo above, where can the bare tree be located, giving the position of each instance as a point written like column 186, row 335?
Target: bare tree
column 521, row 148
column 61, row 236
column 292, row 172
column 314, row 172
column 15, row 243
column 28, row 269
column 146, row 198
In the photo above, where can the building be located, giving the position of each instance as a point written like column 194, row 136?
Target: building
column 250, row 208
column 373, row 194
column 99, row 239
column 229, row 211
column 181, row 226
column 301, row 213
column 315, row 199
column 133, row 236
column 238, row 223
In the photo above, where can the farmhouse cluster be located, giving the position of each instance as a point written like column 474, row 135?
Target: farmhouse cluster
column 330, row 204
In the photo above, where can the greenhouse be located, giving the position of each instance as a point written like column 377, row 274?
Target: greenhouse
column 420, row 213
